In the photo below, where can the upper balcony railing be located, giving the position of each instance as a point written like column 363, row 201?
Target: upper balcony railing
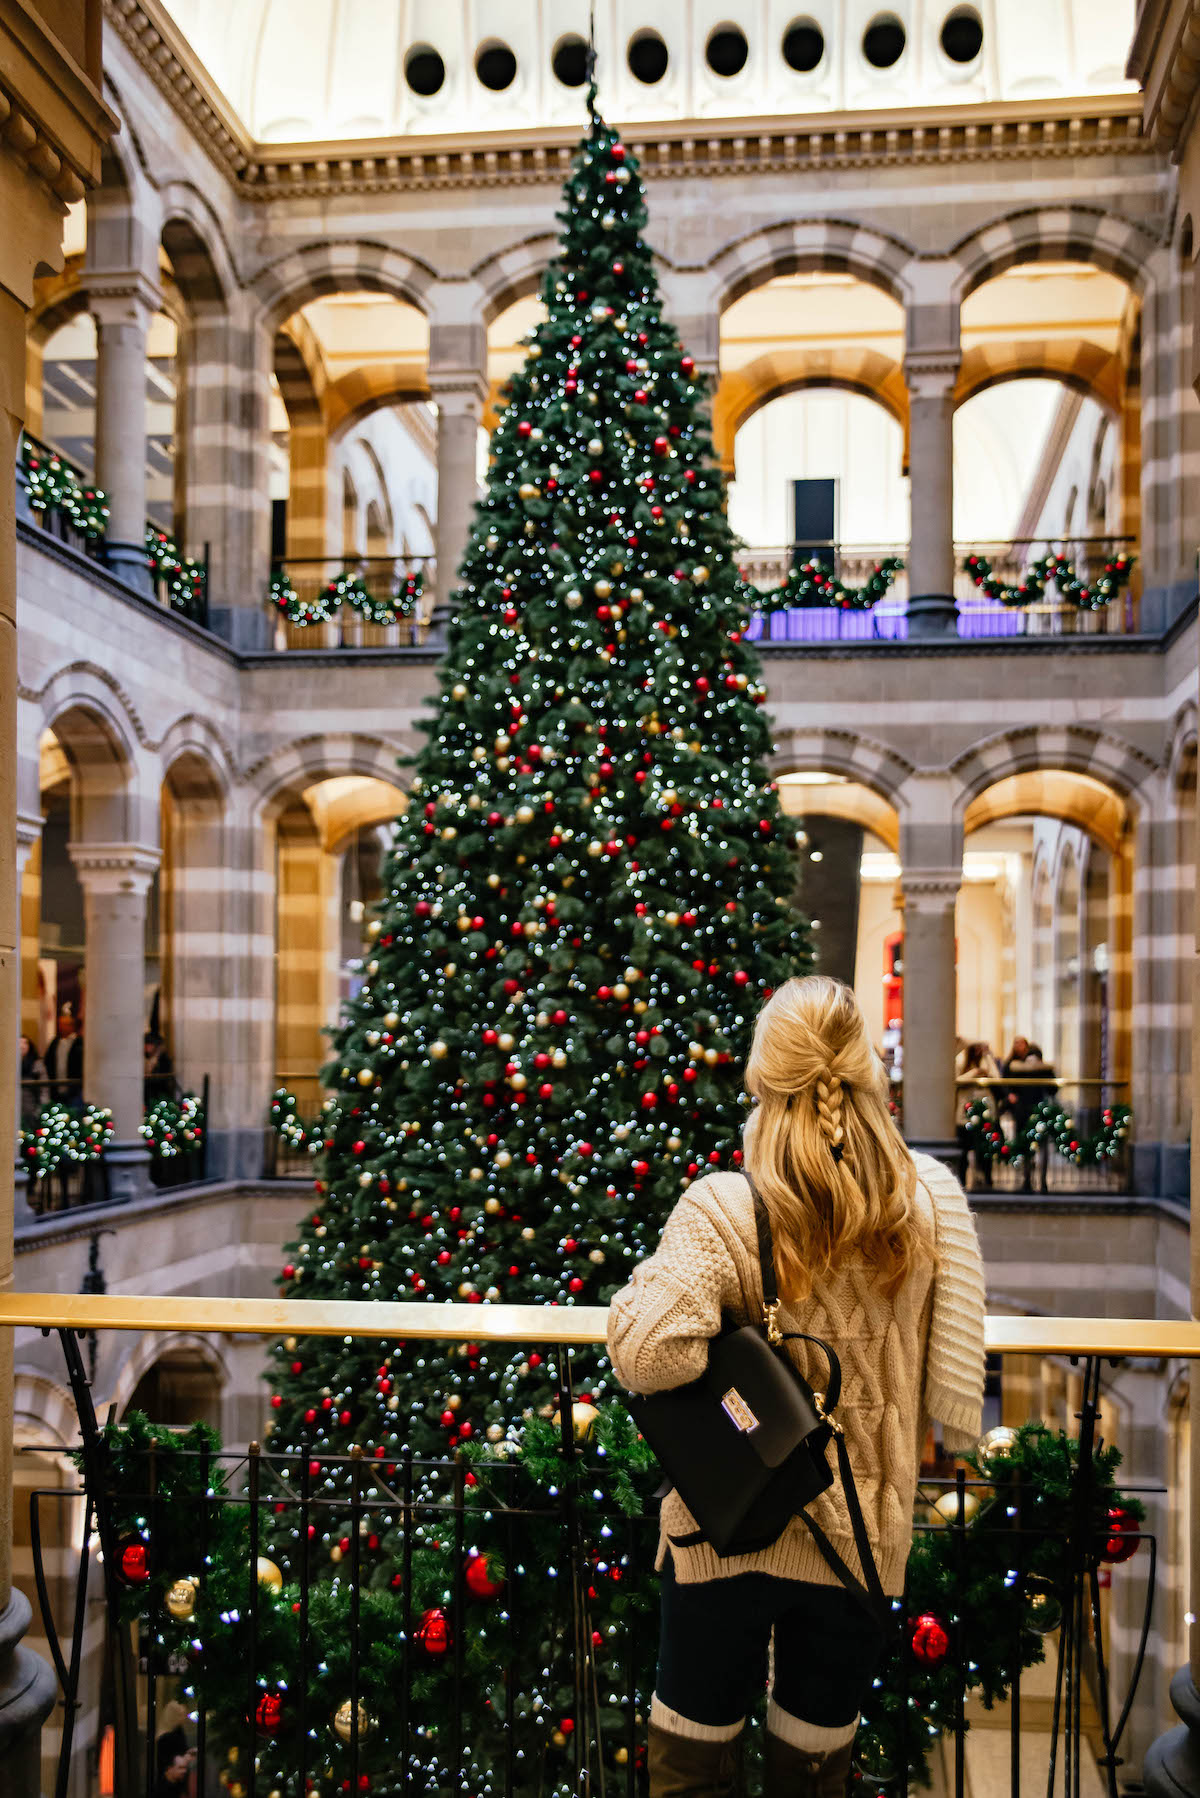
column 351, row 602
column 59, row 497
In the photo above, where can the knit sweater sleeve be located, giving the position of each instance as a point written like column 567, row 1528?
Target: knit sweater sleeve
column 954, row 1362
column 660, row 1325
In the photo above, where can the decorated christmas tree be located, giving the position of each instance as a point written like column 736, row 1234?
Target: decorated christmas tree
column 588, row 897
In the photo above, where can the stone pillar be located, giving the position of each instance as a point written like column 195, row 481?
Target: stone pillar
column 115, row 878
column 460, row 400
column 932, row 353
column 29, row 837
column 55, row 128
column 930, row 876
column 1170, row 444
column 123, row 307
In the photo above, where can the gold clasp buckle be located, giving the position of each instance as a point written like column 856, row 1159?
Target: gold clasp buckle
column 826, row 1416
column 770, row 1318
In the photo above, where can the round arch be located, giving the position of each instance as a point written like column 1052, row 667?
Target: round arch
column 871, row 764
column 1072, row 747
column 838, row 246
column 1073, row 798
column 1053, row 234
column 843, row 798
column 1084, row 367
column 195, row 242
column 355, row 395
column 150, row 1350
column 196, row 760
column 745, row 391
column 336, row 265
column 284, row 773
column 513, row 273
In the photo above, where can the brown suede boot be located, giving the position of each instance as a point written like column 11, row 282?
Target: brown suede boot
column 798, row 1773
column 685, row 1767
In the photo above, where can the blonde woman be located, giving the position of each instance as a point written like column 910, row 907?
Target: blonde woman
column 875, row 1252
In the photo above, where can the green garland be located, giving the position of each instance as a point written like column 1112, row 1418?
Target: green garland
column 63, row 1133
column 1048, row 1119
column 1089, row 595
column 185, row 578
column 284, row 1118
column 296, row 610
column 53, row 485
column 183, row 1557
column 347, row 589
column 174, row 1127
column 814, row 583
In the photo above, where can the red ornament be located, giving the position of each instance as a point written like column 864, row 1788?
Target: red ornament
column 930, row 1642
column 133, row 1561
column 482, row 1581
column 268, row 1713
column 433, row 1632
column 661, row 446
column 1122, row 1542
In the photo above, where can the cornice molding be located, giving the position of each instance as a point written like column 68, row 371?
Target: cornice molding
column 51, row 117
column 1169, row 73
column 702, row 149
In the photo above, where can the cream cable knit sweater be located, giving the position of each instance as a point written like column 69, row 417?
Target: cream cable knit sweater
column 904, row 1361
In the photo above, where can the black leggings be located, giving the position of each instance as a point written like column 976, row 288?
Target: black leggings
column 712, row 1655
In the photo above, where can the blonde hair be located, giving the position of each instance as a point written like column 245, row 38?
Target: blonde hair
column 833, row 1170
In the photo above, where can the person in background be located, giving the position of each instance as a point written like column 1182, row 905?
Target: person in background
column 1019, row 1053
column 1025, row 1060
column 64, row 1059
column 32, row 1077
column 158, row 1072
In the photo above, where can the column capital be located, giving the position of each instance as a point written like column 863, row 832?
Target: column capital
column 931, row 374
column 458, row 390
column 930, row 889
column 121, row 296
column 105, row 868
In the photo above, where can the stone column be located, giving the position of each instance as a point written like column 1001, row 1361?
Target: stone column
column 123, row 307
column 460, row 398
column 932, row 353
column 29, row 835
column 930, row 876
column 115, row 878
column 55, row 128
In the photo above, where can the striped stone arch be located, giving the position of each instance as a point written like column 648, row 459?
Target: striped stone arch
column 837, row 245
column 297, row 765
column 876, row 766
column 1114, row 763
column 514, row 273
column 152, row 1346
column 300, row 373
column 1083, row 366
column 742, row 392
column 1054, row 234
column 194, row 240
column 364, row 390
column 343, row 265
column 93, row 690
column 194, row 739
column 49, row 1408
column 57, row 300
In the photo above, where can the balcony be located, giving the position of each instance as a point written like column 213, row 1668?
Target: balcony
column 1021, row 1641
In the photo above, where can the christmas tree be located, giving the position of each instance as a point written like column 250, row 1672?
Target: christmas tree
column 588, row 898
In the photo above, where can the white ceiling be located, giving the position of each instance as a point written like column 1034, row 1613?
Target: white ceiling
column 317, row 70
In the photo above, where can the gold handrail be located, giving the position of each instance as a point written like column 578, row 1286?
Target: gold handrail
column 575, row 1324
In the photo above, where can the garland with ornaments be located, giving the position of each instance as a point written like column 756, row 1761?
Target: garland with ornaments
column 989, row 1578
column 814, row 583
column 348, row 589
column 1049, row 1122
column 1089, row 593
column 66, row 1133
column 185, row 579
column 298, row 1134
column 53, row 485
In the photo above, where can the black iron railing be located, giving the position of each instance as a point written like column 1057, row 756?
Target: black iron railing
column 336, row 1718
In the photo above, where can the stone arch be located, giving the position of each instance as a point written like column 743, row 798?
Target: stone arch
column 361, row 391
column 152, row 1347
column 1082, row 366
column 321, row 757
column 194, row 239
column 48, row 1407
column 339, row 265
column 58, row 299
column 744, row 391
column 194, row 740
column 838, row 245
column 1053, row 234
column 873, row 765
column 94, row 738
column 1068, row 796
column 1075, row 747
column 513, row 273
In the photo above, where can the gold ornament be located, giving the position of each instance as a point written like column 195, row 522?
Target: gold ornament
column 524, row 814
column 947, row 1507
column 458, row 690
column 181, row 1597
column 602, row 589
column 344, row 1719
column 583, row 1420
column 438, row 1050
column 503, row 1158
column 1043, row 1613
column 366, row 1076
column 1000, row 1441
column 621, row 1756
column 269, row 1574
